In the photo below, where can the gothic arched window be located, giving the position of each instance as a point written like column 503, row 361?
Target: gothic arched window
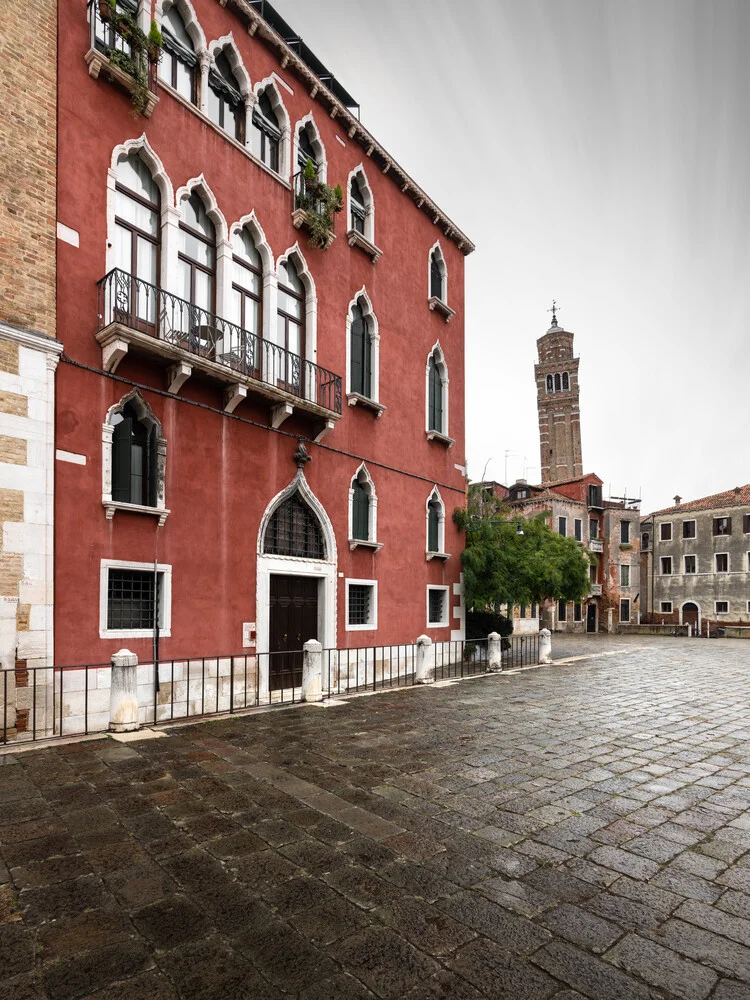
column 226, row 106
column 134, row 458
column 361, row 353
column 565, row 382
column 294, row 530
column 179, row 63
column 558, row 383
column 550, row 384
column 266, row 137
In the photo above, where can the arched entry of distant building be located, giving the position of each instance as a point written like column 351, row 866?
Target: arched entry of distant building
column 690, row 614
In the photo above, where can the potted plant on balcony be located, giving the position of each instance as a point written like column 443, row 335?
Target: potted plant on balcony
column 106, row 10
column 155, row 42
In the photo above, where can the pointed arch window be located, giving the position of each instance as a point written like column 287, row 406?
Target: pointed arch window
column 197, row 253
column 133, row 459
column 435, row 417
column 363, row 511
column 550, row 384
column 436, row 275
column 137, row 237
column 246, row 303
column 435, row 527
column 305, row 147
column 179, row 63
column 360, row 511
column 358, row 210
column 361, row 353
column 291, row 324
column 558, row 383
column 565, row 382
column 225, row 104
column 266, row 132
column 294, row 530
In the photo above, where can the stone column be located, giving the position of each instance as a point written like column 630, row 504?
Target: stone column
column 424, row 667
column 494, row 652
column 312, row 671
column 545, row 646
column 123, row 693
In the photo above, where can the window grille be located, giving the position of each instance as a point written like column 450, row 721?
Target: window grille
column 294, row 530
column 436, row 607
column 130, row 599
column 360, row 603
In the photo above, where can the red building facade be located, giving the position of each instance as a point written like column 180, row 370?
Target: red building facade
column 206, row 338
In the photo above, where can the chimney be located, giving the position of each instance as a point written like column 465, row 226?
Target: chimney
column 737, row 490
column 677, row 498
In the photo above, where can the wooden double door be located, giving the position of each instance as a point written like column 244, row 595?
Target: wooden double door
column 293, row 619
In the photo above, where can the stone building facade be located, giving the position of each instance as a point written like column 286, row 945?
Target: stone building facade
column 29, row 354
column 558, row 403
column 695, row 562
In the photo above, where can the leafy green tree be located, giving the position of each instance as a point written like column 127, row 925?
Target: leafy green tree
column 511, row 560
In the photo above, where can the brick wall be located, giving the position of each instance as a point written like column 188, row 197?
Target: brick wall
column 28, row 151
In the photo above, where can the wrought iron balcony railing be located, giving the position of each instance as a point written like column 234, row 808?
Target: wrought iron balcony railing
column 137, row 305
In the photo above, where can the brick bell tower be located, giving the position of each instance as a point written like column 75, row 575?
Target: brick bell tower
column 557, row 401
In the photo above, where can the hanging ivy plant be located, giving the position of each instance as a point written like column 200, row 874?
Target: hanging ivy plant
column 320, row 201
column 144, row 49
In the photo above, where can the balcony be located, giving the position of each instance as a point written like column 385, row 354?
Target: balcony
column 595, row 590
column 315, row 208
column 121, row 52
column 137, row 316
column 596, row 545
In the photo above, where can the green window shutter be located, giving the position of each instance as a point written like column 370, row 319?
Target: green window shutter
column 121, row 455
column 433, row 528
column 360, row 513
column 358, row 351
column 367, row 362
column 435, row 398
column 152, row 480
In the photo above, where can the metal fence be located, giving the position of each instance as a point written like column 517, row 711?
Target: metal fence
column 46, row 702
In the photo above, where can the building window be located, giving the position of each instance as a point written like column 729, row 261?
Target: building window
column 721, row 607
column 522, row 611
column 245, row 302
column 134, row 452
column 644, row 541
column 593, row 527
column 746, row 523
column 690, row 564
column 625, row 610
column 178, row 65
column 558, row 382
column 592, row 573
column 360, row 374
column 578, row 529
column 437, row 606
column 624, row 576
column 722, row 562
column 595, row 495
column 290, row 326
column 577, row 613
column 688, row 529
column 665, row 531
column 438, row 275
column 562, row 526
column 225, row 105
column 363, row 509
column 534, row 611
column 309, row 147
column 294, row 530
column 666, row 565
column 137, row 242
column 133, row 598
column 624, row 532
column 550, row 384
column 437, row 393
column 666, row 607
column 266, row 132
column 435, row 523
column 565, row 382
column 562, row 611
column 361, row 605
column 722, row 526
column 197, row 266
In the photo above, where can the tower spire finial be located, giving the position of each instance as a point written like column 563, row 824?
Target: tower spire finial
column 553, row 310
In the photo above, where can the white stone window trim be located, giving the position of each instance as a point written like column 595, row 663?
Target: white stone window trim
column 317, row 145
column 662, row 525
column 667, row 610
column 354, row 238
column 686, row 556
column 716, row 563
column 169, row 233
column 362, row 474
column 145, row 414
column 164, row 582
column 662, row 571
column 694, row 536
column 362, row 299
column 439, row 303
column 716, row 608
column 227, row 46
column 311, row 307
column 270, row 87
column 445, row 623
column 432, row 435
column 197, row 37
column 441, row 553
column 625, row 600
column 625, row 566
column 372, row 625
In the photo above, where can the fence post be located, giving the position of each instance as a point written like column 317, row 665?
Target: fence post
column 312, row 671
column 424, row 671
column 545, row 646
column 494, row 652
column 123, row 693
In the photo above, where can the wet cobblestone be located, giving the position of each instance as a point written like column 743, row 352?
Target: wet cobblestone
column 574, row 831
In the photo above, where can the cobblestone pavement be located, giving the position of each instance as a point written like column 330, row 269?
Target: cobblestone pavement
column 579, row 830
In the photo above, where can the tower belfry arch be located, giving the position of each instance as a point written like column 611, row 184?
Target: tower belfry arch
column 558, row 403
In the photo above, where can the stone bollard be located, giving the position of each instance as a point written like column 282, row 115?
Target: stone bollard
column 312, row 671
column 494, row 652
column 123, row 693
column 545, row 646
column 424, row 669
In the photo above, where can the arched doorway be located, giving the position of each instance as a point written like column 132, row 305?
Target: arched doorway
column 296, row 584
column 690, row 614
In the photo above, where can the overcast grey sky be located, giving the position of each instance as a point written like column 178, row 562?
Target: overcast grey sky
column 596, row 151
